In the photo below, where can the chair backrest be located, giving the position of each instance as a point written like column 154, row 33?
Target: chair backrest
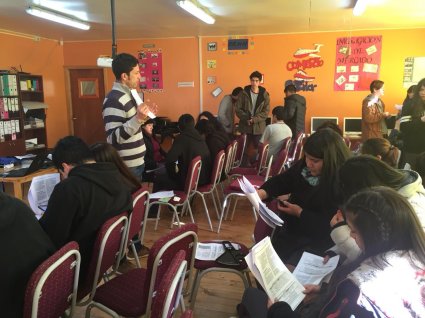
column 240, row 149
column 192, row 178
column 52, row 287
column 161, row 254
column 138, row 216
column 107, row 252
column 296, row 148
column 279, row 163
column 170, row 289
column 218, row 167
column 228, row 159
column 235, row 146
column 263, row 150
column 347, row 142
column 261, row 230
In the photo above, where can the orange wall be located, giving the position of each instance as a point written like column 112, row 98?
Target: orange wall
column 44, row 57
column 179, row 62
column 270, row 53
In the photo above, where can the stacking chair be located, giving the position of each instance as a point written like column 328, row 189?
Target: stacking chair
column 170, row 289
column 107, row 253
column 132, row 293
column 296, row 149
column 261, row 230
column 137, row 220
column 52, row 288
column 241, row 144
column 181, row 199
column 211, row 188
column 260, row 166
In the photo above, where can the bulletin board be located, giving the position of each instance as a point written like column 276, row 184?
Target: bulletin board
column 357, row 63
column 414, row 70
column 151, row 76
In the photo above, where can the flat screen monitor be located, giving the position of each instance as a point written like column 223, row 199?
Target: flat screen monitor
column 317, row 121
column 352, row 126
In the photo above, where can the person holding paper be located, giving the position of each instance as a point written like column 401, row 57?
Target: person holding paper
column 388, row 280
column 89, row 194
column 373, row 113
column 123, row 116
column 312, row 186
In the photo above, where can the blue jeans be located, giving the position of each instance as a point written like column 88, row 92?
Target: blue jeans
column 138, row 171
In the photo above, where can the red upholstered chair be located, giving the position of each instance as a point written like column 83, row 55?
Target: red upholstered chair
column 137, row 220
column 261, row 230
column 212, row 186
column 241, row 144
column 170, row 289
column 52, row 288
column 187, row 314
column 132, row 293
column 184, row 196
column 261, row 164
column 107, row 253
column 296, row 148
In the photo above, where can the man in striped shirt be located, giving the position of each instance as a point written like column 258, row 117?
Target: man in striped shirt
column 122, row 116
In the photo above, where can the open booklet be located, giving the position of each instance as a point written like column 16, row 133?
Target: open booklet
column 271, row 218
column 278, row 282
column 40, row 190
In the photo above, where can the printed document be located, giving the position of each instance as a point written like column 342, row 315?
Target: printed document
column 40, row 190
column 311, row 270
column 278, row 282
column 161, row 194
column 210, row 251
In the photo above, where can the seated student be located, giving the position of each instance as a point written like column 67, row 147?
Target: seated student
column 24, row 246
column 89, row 194
column 215, row 136
column 275, row 133
column 387, row 280
column 363, row 172
column 420, row 166
column 105, row 152
column 186, row 146
column 154, row 154
column 311, row 183
column 383, row 150
column 205, row 115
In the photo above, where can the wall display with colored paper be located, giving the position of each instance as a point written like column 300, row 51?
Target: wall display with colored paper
column 151, row 75
column 357, row 62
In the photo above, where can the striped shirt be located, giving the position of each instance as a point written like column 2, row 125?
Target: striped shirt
column 123, row 129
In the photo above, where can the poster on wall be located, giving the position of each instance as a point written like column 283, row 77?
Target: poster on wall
column 302, row 66
column 151, row 76
column 414, row 71
column 236, row 45
column 357, row 63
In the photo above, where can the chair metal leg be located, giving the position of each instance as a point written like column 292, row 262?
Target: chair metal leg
column 222, row 212
column 206, row 211
column 215, row 204
column 234, row 208
column 136, row 257
column 190, row 212
column 175, row 216
column 195, row 288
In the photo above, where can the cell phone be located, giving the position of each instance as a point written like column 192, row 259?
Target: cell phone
column 282, row 203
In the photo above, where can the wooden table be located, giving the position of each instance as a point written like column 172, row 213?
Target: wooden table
column 18, row 182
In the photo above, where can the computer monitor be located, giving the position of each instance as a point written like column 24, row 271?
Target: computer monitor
column 317, row 121
column 352, row 126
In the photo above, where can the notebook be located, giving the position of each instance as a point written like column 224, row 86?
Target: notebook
column 35, row 165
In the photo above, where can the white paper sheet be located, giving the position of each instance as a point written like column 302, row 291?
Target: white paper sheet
column 210, row 251
column 161, row 194
column 40, row 190
column 311, row 270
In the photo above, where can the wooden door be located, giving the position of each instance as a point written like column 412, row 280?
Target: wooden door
column 87, row 95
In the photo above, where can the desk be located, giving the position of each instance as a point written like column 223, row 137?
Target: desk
column 18, row 182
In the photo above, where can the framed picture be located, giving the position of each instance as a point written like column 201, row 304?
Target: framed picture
column 212, row 46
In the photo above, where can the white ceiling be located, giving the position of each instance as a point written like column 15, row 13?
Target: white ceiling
column 163, row 18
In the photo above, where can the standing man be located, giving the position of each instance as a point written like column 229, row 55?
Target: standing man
column 276, row 132
column 252, row 109
column 294, row 110
column 226, row 111
column 373, row 113
column 122, row 116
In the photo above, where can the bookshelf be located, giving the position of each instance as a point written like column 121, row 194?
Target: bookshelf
column 12, row 141
column 22, row 114
column 34, row 112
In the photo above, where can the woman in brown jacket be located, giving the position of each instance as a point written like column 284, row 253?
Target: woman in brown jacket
column 373, row 113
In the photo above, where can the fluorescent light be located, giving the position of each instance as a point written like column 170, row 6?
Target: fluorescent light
column 57, row 17
column 359, row 7
column 198, row 12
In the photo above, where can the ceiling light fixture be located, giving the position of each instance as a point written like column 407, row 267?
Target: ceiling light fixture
column 359, row 7
column 57, row 17
column 198, row 12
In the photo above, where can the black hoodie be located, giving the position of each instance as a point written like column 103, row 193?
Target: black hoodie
column 187, row 146
column 81, row 203
column 24, row 246
column 294, row 113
